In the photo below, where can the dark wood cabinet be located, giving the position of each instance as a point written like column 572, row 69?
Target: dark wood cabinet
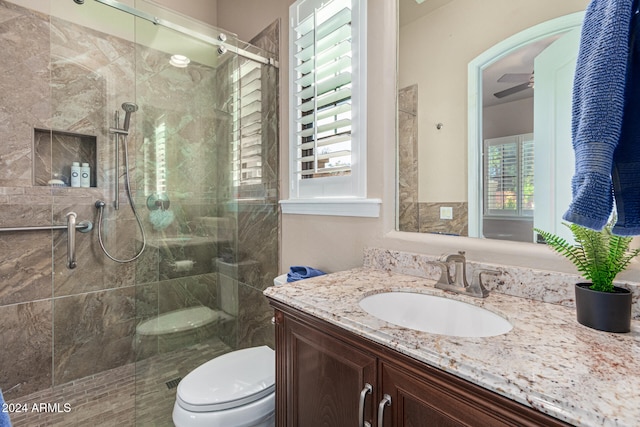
column 326, row 376
column 322, row 369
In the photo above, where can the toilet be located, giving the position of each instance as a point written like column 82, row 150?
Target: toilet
column 236, row 389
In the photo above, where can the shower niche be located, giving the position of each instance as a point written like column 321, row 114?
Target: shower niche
column 55, row 151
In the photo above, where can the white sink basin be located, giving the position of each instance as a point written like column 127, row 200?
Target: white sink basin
column 434, row 314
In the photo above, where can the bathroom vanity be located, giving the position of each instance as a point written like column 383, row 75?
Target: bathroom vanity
column 338, row 365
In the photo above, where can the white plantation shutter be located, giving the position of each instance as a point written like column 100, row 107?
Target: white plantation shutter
column 327, row 95
column 508, row 176
column 526, row 175
column 247, row 112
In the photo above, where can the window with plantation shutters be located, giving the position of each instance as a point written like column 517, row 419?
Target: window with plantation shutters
column 508, row 176
column 327, row 99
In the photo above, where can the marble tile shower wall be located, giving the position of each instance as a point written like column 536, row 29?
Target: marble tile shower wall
column 56, row 78
column 258, row 236
column 416, row 216
column 60, row 324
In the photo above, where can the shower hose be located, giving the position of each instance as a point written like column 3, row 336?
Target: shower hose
column 100, row 206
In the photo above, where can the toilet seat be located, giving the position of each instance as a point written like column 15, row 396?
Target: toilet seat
column 229, row 381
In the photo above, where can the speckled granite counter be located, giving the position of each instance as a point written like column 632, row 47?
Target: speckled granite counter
column 547, row 361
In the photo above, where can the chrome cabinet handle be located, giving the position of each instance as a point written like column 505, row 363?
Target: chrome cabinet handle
column 363, row 396
column 386, row 401
column 71, row 240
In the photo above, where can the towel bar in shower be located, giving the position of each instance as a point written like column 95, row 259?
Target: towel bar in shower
column 82, row 226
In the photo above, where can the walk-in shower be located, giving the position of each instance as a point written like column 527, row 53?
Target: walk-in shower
column 95, row 84
column 121, row 134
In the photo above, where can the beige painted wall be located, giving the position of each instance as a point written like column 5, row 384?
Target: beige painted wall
column 434, row 53
column 247, row 17
column 510, row 118
column 202, row 10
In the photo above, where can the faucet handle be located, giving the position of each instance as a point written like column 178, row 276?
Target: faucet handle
column 444, row 279
column 477, row 288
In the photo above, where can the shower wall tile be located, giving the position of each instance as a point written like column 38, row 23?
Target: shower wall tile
column 26, row 338
column 254, row 327
column 175, row 294
column 408, row 219
column 146, row 296
column 22, row 214
column 146, row 267
column 258, row 222
column 269, row 39
column 25, row 257
column 430, row 222
column 204, row 288
column 94, row 334
column 25, row 89
column 258, row 240
column 25, row 267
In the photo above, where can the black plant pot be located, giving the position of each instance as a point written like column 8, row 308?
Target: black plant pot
column 605, row 311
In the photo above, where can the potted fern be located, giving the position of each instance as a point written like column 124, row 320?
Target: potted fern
column 599, row 256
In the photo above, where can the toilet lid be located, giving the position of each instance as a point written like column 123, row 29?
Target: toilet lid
column 228, row 381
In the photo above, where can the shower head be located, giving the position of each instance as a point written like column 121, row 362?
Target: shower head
column 128, row 107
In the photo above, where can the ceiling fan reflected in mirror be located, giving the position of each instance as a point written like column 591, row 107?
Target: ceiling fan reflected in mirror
column 525, row 81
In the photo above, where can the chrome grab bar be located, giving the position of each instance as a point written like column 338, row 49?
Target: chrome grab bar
column 82, row 226
column 386, row 401
column 363, row 395
column 71, row 240
column 72, row 226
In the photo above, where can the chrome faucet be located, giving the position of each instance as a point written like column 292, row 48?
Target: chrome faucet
column 458, row 283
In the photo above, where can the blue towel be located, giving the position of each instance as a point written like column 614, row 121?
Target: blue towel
column 300, row 272
column 4, row 416
column 626, row 160
column 605, row 132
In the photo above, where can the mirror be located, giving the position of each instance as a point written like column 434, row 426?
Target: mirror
column 470, row 163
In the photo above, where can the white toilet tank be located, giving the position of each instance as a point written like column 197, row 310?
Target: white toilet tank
column 236, row 389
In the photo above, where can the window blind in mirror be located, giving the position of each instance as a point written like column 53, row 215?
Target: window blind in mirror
column 508, row 176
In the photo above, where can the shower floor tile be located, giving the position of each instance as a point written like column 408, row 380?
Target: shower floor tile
column 131, row 395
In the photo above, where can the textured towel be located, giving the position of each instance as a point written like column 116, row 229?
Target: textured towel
column 299, row 272
column 603, row 105
column 626, row 160
column 4, row 416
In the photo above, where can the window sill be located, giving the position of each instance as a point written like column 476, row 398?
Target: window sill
column 369, row 208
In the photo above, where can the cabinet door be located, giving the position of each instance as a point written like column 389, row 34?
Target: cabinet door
column 324, row 378
column 415, row 403
column 430, row 398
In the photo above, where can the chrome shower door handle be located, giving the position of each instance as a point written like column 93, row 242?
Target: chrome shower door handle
column 386, row 401
column 71, row 240
column 363, row 396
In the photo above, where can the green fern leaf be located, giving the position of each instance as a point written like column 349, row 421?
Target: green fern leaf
column 598, row 255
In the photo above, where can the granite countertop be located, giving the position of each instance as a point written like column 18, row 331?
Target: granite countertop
column 547, row 361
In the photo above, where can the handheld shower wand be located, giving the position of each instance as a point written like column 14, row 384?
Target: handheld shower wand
column 128, row 107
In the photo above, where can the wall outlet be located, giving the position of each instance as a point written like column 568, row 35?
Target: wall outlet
column 446, row 212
